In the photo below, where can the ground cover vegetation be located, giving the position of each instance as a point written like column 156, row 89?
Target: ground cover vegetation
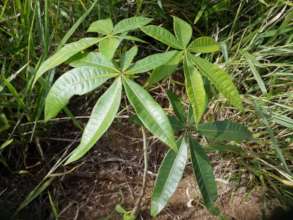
column 203, row 86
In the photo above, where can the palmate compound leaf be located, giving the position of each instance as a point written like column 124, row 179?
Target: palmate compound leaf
column 130, row 24
column 204, row 45
column 220, row 79
column 150, row 112
column 195, row 90
column 151, row 62
column 162, row 35
column 183, row 31
column 224, row 131
column 64, row 54
column 100, row 120
column 169, row 175
column 203, row 172
column 77, row 81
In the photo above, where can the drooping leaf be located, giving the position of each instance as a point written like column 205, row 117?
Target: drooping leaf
column 224, row 131
column 108, row 46
column 204, row 175
column 64, row 54
column 104, row 26
column 162, row 35
column 151, row 62
column 77, row 81
column 183, row 31
column 221, row 80
column 195, row 90
column 94, row 59
column 130, row 24
column 204, row 45
column 176, row 105
column 100, row 120
column 150, row 112
column 169, row 175
column 162, row 72
column 128, row 58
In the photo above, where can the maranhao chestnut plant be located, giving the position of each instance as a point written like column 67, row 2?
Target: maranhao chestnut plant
column 91, row 69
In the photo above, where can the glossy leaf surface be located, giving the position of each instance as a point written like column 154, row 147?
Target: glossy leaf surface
column 77, row 81
column 220, row 79
column 100, row 120
column 204, row 45
column 64, row 54
column 151, row 62
column 150, row 113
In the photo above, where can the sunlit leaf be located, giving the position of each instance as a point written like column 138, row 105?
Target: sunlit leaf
column 151, row 62
column 93, row 59
column 162, row 72
column 220, row 79
column 195, row 90
column 100, row 120
column 64, row 54
column 150, row 112
column 108, row 46
column 130, row 24
column 77, row 81
column 104, row 26
column 183, row 30
column 204, row 45
column 169, row 175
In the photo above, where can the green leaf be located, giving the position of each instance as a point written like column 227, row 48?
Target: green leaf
column 150, row 112
column 169, row 176
column 221, row 80
column 77, row 81
column 224, row 131
column 100, row 120
column 225, row 148
column 151, row 62
column 251, row 60
column 108, row 46
column 204, row 45
column 104, row 26
column 162, row 35
column 4, row 124
column 128, row 58
column 165, row 70
column 94, row 59
column 183, row 31
column 64, row 54
column 176, row 105
column 204, row 175
column 195, row 90
column 130, row 24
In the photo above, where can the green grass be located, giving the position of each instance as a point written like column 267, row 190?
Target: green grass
column 257, row 48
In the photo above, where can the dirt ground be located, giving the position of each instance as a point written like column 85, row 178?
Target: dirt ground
column 112, row 173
